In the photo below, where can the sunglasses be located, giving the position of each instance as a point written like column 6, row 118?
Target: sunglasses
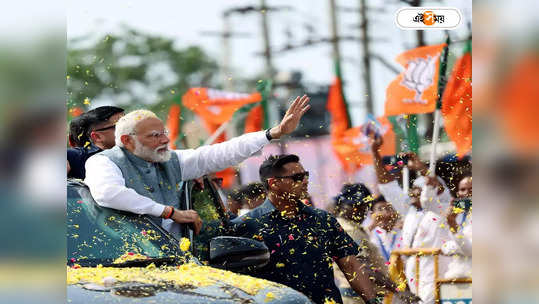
column 105, row 128
column 298, row 177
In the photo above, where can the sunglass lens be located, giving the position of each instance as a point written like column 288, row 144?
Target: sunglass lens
column 300, row 176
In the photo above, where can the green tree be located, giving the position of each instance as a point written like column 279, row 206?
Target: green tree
column 134, row 70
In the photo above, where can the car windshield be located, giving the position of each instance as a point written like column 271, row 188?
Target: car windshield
column 97, row 235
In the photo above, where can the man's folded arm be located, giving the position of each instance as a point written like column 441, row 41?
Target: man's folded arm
column 207, row 159
column 108, row 189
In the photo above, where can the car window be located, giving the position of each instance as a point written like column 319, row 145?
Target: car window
column 207, row 203
column 97, row 235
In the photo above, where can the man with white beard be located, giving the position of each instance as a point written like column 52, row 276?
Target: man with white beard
column 141, row 175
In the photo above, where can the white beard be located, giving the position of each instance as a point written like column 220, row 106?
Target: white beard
column 152, row 155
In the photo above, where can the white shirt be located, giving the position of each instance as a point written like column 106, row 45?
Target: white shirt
column 386, row 241
column 107, row 185
column 459, row 246
column 412, row 217
column 432, row 232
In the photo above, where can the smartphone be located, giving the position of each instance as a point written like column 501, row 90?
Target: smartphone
column 404, row 158
column 463, row 203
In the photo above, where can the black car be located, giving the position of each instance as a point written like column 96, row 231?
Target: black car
column 119, row 257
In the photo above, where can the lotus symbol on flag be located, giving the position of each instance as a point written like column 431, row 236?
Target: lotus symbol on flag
column 419, row 75
column 214, row 109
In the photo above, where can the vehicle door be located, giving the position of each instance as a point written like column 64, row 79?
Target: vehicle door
column 207, row 202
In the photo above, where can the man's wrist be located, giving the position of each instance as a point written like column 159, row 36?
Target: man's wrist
column 167, row 213
column 268, row 135
column 274, row 133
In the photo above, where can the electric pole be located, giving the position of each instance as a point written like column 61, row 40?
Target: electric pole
column 334, row 32
column 366, row 56
column 269, row 70
column 226, row 35
column 228, row 82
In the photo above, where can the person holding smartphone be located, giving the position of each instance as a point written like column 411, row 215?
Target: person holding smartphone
column 459, row 220
column 459, row 215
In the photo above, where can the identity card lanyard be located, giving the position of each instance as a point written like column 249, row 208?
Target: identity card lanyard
column 384, row 251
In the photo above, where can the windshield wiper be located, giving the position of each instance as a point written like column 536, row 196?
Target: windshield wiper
column 145, row 262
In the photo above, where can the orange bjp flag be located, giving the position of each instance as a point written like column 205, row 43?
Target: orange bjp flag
column 214, row 106
column 353, row 148
column 457, row 105
column 416, row 89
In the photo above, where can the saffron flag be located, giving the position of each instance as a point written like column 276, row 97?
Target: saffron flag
column 214, row 106
column 353, row 147
column 254, row 116
column 254, row 120
column 337, row 107
column 173, row 124
column 416, row 89
column 457, row 104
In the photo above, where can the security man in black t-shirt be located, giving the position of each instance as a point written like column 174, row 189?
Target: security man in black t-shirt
column 303, row 241
column 90, row 133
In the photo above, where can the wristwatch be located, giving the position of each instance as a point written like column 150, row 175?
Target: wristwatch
column 268, row 135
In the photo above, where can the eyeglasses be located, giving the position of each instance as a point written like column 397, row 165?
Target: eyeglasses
column 154, row 134
column 298, row 177
column 105, row 128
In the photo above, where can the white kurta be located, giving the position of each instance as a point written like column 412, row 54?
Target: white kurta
column 460, row 249
column 386, row 241
column 412, row 217
column 432, row 232
column 421, row 229
column 107, row 185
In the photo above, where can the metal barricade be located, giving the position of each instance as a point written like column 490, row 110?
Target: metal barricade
column 438, row 282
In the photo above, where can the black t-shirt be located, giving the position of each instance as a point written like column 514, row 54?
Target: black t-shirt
column 77, row 159
column 302, row 250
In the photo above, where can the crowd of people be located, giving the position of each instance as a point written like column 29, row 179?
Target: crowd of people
column 346, row 255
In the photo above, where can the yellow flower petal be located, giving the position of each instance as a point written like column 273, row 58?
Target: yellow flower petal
column 185, row 244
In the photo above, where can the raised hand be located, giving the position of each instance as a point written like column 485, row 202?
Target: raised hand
column 377, row 141
column 291, row 118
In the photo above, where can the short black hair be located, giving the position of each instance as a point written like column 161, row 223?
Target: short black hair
column 101, row 115
column 380, row 198
column 353, row 194
column 273, row 166
column 82, row 125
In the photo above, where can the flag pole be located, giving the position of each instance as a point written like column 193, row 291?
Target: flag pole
column 437, row 112
column 405, row 179
column 264, row 88
column 223, row 127
column 435, row 134
column 217, row 133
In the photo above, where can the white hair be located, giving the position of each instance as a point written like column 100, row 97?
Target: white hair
column 127, row 124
